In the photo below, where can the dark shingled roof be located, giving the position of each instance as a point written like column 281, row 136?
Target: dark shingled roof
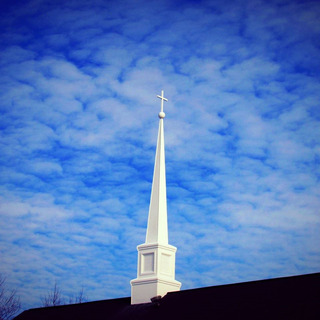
column 291, row 298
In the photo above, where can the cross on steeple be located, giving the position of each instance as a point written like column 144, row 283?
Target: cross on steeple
column 162, row 114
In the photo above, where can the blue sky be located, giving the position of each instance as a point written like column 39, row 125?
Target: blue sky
column 79, row 121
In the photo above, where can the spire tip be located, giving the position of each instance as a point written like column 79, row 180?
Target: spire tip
column 161, row 113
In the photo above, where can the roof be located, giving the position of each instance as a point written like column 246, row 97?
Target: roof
column 294, row 297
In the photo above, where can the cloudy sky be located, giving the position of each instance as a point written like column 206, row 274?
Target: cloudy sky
column 79, row 124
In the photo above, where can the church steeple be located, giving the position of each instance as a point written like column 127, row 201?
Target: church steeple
column 156, row 258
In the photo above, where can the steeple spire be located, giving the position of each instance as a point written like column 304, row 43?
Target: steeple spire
column 157, row 231
column 156, row 258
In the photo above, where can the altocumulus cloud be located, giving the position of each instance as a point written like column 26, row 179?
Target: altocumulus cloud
column 78, row 134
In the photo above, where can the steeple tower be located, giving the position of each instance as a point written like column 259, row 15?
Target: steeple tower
column 156, row 258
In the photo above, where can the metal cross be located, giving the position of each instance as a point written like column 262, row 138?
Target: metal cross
column 162, row 99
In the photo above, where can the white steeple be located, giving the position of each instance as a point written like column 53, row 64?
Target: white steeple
column 156, row 258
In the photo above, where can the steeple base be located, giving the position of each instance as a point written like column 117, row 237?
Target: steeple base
column 143, row 290
column 156, row 272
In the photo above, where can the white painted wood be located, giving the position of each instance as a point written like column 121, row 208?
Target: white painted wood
column 156, row 258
